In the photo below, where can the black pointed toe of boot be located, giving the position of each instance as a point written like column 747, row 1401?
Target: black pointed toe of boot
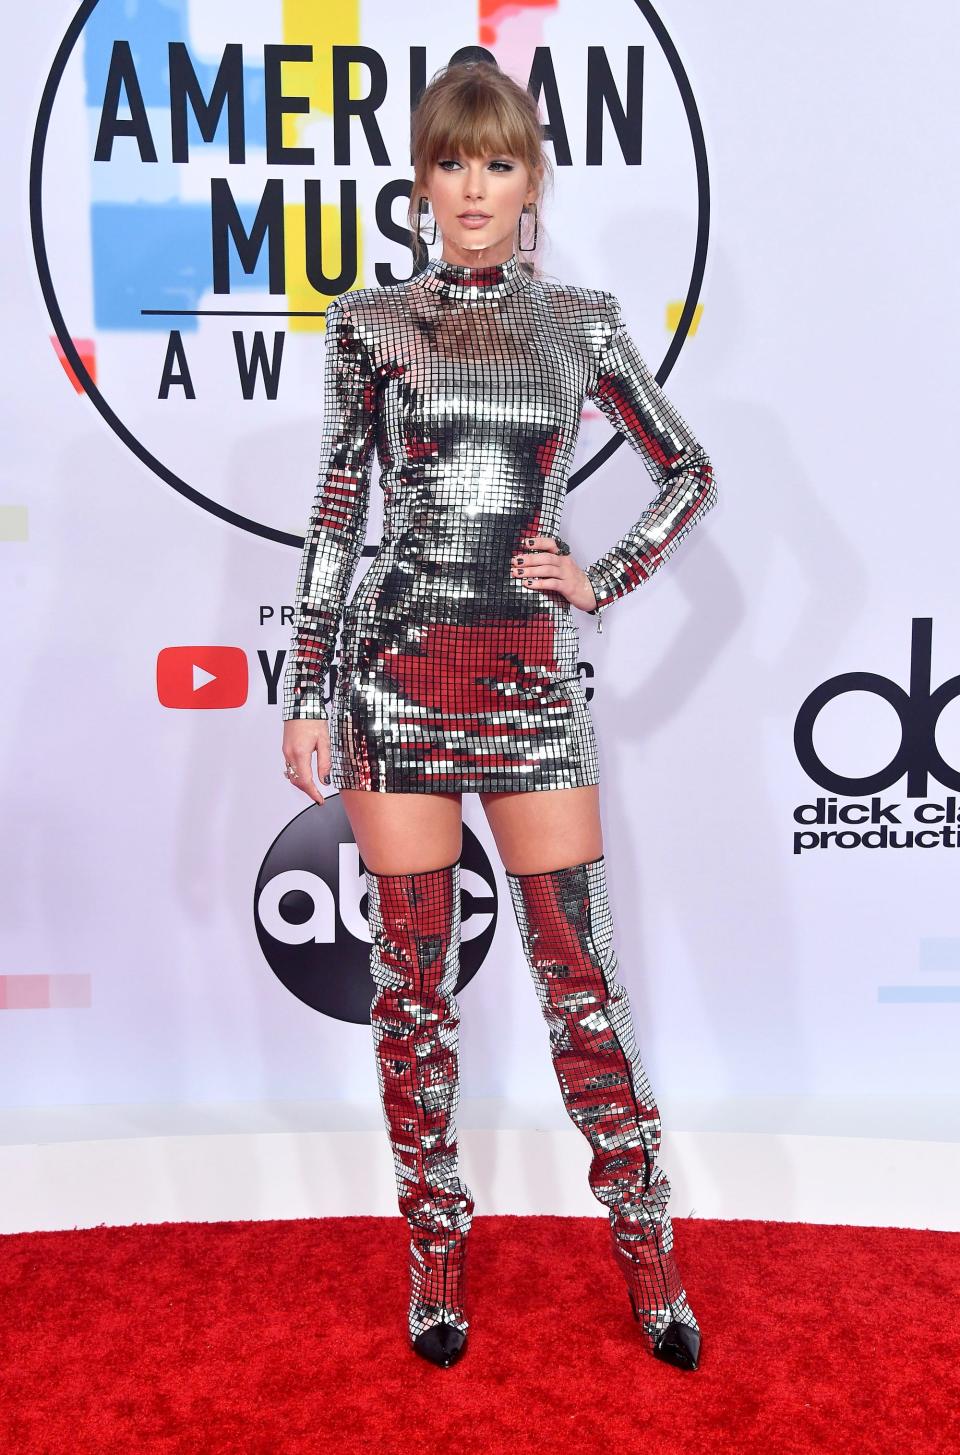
column 679, row 1344
column 442, row 1344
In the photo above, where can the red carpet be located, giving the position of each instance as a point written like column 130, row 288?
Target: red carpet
column 288, row 1337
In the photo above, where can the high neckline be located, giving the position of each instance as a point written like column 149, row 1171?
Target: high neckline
column 484, row 283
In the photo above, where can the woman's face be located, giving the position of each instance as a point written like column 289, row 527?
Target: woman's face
column 477, row 202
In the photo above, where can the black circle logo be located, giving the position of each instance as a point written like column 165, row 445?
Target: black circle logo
column 310, row 912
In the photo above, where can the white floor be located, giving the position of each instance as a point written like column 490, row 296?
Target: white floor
column 66, row 1167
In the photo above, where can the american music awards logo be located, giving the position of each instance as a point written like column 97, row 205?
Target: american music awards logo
column 208, row 174
column 918, row 818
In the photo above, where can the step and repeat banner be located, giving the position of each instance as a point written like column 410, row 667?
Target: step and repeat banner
column 187, row 184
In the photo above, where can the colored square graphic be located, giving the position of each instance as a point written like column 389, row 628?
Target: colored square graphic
column 45, row 992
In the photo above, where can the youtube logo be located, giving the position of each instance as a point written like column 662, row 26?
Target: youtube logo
column 202, row 677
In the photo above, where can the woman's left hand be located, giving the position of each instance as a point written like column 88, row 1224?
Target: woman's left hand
column 540, row 565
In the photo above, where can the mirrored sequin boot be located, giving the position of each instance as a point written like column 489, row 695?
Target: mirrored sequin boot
column 414, row 921
column 567, row 933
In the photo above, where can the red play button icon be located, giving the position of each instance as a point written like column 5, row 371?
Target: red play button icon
column 202, row 677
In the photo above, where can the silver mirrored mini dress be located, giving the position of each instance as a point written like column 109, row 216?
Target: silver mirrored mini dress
column 469, row 382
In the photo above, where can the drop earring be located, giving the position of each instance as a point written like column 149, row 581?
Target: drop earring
column 533, row 245
column 424, row 207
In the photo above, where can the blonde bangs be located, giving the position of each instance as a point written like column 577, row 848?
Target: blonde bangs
column 486, row 129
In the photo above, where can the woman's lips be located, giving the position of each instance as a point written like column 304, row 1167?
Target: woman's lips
column 473, row 219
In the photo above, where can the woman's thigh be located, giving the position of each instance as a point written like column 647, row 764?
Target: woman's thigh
column 400, row 833
column 545, row 829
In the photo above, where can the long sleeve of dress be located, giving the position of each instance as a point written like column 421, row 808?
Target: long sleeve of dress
column 630, row 397
column 337, row 525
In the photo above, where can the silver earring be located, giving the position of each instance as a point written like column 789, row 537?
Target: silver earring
column 532, row 247
column 424, row 207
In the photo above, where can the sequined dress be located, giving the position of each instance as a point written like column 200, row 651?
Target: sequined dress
column 469, row 383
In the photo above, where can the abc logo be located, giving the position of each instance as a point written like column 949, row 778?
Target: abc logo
column 918, row 709
column 310, row 912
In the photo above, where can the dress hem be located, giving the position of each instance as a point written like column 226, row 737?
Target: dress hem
column 462, row 786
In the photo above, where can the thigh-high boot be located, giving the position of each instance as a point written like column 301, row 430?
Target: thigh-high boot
column 414, row 921
column 567, row 932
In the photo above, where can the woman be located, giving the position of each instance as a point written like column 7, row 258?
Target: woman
column 458, row 673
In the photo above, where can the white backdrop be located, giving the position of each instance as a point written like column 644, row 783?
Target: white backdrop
column 779, row 994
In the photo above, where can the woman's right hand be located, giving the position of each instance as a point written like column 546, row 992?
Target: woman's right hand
column 302, row 737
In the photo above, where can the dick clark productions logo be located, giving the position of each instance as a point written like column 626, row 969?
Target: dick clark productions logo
column 827, row 822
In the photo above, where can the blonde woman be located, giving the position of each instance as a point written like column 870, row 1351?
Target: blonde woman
column 458, row 673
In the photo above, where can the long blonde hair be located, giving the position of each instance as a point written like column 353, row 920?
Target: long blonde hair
column 475, row 108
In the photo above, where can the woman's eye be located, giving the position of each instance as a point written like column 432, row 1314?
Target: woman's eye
column 449, row 162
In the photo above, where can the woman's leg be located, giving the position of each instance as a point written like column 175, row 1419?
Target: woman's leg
column 552, row 850
column 544, row 829
column 397, row 832
column 413, row 909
